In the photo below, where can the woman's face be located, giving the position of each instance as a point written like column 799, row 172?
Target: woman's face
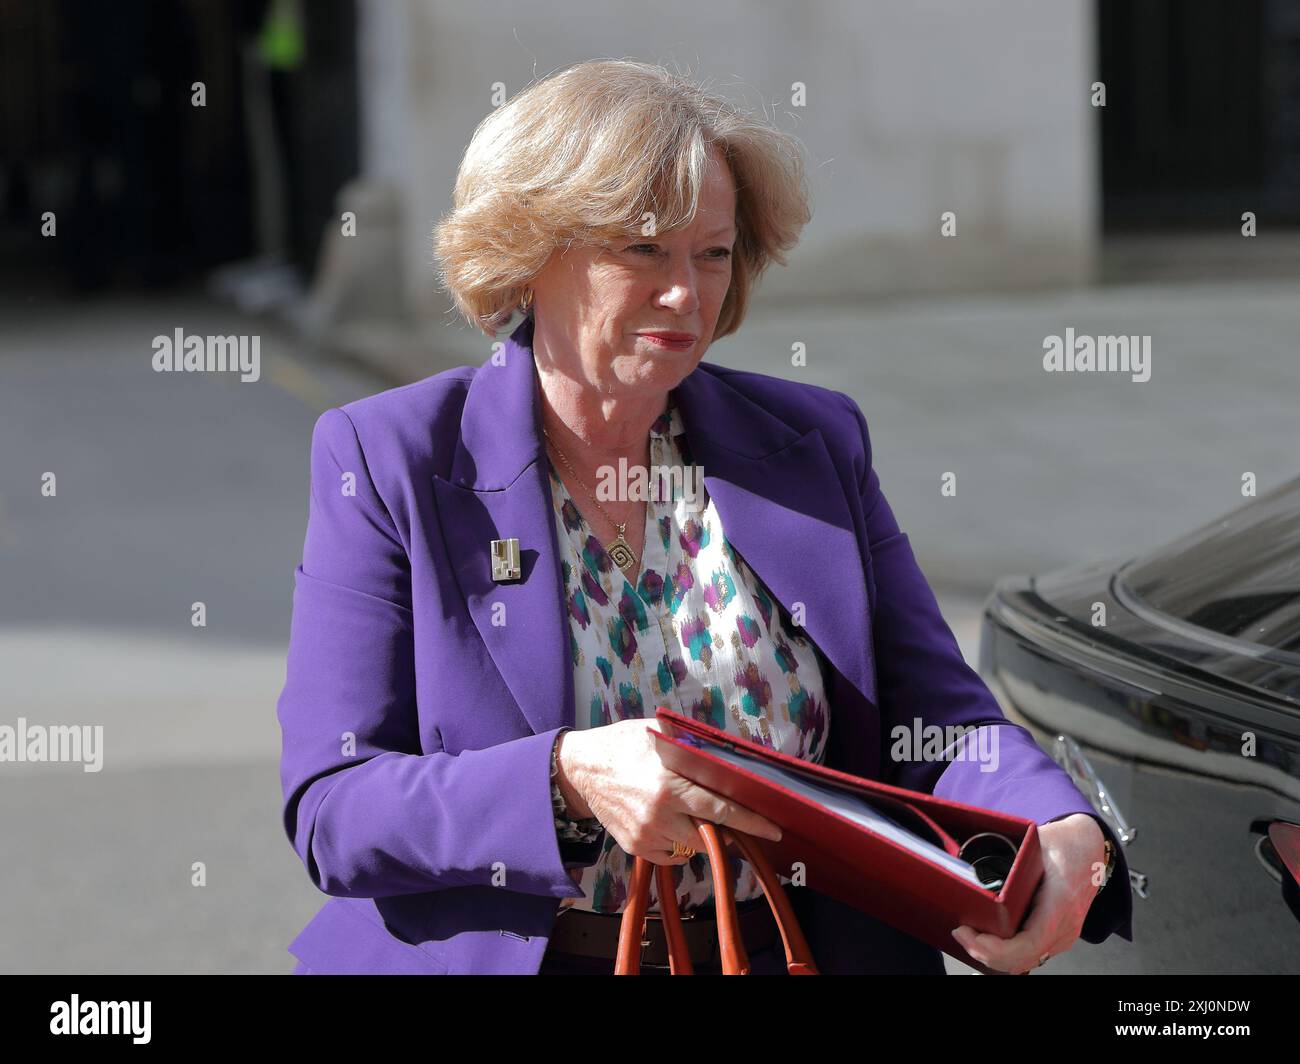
column 594, row 304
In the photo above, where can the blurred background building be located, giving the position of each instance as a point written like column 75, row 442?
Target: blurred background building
column 986, row 110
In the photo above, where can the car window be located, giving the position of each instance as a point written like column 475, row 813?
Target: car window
column 1238, row 577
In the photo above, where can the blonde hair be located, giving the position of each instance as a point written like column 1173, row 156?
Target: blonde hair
column 582, row 155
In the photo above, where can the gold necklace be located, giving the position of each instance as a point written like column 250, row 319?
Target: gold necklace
column 620, row 551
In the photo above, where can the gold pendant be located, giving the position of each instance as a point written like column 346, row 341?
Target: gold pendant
column 619, row 551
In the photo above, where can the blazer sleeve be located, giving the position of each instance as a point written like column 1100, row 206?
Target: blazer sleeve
column 368, row 811
column 922, row 679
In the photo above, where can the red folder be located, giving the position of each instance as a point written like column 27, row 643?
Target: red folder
column 854, row 864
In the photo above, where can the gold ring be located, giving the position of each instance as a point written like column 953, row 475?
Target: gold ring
column 682, row 850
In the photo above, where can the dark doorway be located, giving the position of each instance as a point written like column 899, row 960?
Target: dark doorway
column 98, row 127
column 1202, row 115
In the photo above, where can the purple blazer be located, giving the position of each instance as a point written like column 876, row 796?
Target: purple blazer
column 417, row 732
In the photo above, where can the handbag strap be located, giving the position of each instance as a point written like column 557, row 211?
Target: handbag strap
column 735, row 961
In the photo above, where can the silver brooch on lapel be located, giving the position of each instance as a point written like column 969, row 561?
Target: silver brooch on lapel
column 505, row 559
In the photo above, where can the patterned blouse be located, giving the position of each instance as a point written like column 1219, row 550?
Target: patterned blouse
column 700, row 633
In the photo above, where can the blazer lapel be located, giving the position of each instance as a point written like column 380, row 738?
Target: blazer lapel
column 499, row 489
column 776, row 491
column 782, row 507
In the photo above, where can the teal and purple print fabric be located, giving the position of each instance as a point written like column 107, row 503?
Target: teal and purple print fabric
column 699, row 633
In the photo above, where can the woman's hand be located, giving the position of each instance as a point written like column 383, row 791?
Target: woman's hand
column 1073, row 854
column 614, row 773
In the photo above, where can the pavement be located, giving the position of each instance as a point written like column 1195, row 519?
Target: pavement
column 177, row 488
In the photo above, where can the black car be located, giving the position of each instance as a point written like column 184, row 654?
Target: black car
column 1169, row 687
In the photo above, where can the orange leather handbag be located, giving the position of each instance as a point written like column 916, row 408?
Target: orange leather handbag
column 735, row 961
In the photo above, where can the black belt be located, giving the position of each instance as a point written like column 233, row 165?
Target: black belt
column 584, row 933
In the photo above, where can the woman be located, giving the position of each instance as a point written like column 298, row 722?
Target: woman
column 467, row 764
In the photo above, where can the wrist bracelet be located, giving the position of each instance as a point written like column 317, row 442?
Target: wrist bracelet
column 585, row 829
